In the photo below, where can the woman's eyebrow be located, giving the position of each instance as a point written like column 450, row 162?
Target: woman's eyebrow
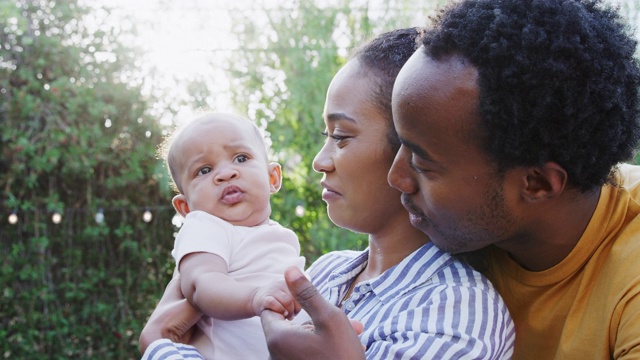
column 333, row 117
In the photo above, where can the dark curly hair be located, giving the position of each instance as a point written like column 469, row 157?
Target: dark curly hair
column 558, row 81
column 383, row 57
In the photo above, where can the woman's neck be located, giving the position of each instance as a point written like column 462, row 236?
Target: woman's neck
column 391, row 245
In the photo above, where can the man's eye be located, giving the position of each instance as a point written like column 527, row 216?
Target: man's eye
column 415, row 167
column 242, row 158
column 205, row 170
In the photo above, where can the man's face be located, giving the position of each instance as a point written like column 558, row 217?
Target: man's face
column 450, row 187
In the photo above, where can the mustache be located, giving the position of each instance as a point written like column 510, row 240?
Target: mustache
column 408, row 204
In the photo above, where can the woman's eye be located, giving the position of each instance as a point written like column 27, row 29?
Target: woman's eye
column 335, row 137
column 242, row 158
column 205, row 170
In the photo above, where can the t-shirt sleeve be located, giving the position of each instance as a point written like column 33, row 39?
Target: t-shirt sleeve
column 202, row 232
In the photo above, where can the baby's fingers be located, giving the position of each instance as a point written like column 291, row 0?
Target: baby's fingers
column 276, row 305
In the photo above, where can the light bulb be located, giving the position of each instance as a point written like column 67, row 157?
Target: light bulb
column 177, row 220
column 13, row 219
column 99, row 217
column 56, row 218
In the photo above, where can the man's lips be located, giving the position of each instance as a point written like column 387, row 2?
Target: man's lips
column 414, row 214
column 231, row 195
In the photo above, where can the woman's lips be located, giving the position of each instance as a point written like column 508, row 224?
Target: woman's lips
column 329, row 193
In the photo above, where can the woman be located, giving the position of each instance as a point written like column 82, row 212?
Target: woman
column 414, row 300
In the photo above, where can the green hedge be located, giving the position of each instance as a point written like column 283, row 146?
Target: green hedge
column 81, row 290
column 77, row 135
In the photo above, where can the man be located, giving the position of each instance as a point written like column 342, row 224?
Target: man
column 513, row 117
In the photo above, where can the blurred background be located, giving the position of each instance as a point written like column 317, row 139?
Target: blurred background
column 89, row 88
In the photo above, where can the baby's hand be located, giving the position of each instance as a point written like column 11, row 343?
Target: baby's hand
column 275, row 297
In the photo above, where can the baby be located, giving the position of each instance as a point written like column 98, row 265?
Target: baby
column 230, row 256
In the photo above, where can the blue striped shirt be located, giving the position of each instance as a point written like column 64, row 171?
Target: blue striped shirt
column 429, row 306
column 164, row 349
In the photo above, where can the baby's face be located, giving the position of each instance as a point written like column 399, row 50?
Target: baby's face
column 224, row 171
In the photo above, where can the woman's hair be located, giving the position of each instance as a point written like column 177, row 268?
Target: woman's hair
column 383, row 57
column 558, row 81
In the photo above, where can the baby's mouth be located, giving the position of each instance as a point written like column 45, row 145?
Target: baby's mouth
column 231, row 195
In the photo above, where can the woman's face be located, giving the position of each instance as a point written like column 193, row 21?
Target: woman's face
column 356, row 156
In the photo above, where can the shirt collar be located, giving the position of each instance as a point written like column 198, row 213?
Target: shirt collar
column 427, row 260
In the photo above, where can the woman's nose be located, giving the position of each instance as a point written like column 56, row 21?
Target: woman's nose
column 323, row 161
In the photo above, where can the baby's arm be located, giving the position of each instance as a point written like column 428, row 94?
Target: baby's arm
column 205, row 283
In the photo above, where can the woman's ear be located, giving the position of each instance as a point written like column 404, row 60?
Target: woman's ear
column 275, row 177
column 544, row 182
column 180, row 204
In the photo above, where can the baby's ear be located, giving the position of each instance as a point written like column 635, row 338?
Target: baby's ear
column 181, row 205
column 275, row 177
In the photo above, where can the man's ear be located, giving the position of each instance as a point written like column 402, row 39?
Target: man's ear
column 180, row 204
column 275, row 177
column 544, row 182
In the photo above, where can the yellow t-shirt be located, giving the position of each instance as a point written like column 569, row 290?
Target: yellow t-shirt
column 588, row 305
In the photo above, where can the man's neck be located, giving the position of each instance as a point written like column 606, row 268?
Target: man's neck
column 558, row 228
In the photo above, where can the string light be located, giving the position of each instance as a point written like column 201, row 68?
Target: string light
column 177, row 220
column 56, row 218
column 147, row 216
column 299, row 210
column 13, row 218
column 99, row 216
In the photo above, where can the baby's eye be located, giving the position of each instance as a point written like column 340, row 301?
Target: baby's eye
column 242, row 158
column 205, row 170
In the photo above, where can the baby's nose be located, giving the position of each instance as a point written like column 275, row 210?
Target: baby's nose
column 226, row 173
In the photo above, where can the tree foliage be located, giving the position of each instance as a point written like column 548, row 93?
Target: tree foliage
column 75, row 141
column 280, row 76
column 297, row 58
